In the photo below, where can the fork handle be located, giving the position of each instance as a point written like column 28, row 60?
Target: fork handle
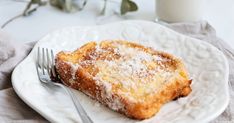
column 83, row 115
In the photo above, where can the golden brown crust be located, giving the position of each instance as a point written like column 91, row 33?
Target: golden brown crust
column 84, row 80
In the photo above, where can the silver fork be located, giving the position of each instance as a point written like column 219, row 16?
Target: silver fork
column 45, row 70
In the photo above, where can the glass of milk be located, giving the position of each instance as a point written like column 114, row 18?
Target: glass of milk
column 179, row 10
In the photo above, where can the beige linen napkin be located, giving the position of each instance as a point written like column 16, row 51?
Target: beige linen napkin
column 13, row 109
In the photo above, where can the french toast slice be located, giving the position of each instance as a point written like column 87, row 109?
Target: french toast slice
column 126, row 77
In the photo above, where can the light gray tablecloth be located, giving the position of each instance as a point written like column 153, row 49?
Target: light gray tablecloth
column 13, row 109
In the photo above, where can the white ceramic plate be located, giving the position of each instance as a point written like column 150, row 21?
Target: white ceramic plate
column 207, row 67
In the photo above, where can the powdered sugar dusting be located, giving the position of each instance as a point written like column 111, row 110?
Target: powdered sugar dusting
column 106, row 95
column 135, row 71
column 73, row 69
column 128, row 71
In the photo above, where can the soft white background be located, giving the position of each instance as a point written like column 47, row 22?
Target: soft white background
column 219, row 13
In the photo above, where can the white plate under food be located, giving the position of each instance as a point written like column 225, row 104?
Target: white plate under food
column 207, row 66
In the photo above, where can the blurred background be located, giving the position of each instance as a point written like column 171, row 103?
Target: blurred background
column 219, row 13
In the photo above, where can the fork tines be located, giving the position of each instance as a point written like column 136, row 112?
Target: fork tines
column 45, row 61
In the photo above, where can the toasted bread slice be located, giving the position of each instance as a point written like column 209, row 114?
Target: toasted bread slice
column 127, row 77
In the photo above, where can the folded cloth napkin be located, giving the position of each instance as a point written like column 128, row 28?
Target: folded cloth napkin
column 13, row 109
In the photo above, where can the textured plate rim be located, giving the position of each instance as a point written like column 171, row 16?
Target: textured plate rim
column 207, row 119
